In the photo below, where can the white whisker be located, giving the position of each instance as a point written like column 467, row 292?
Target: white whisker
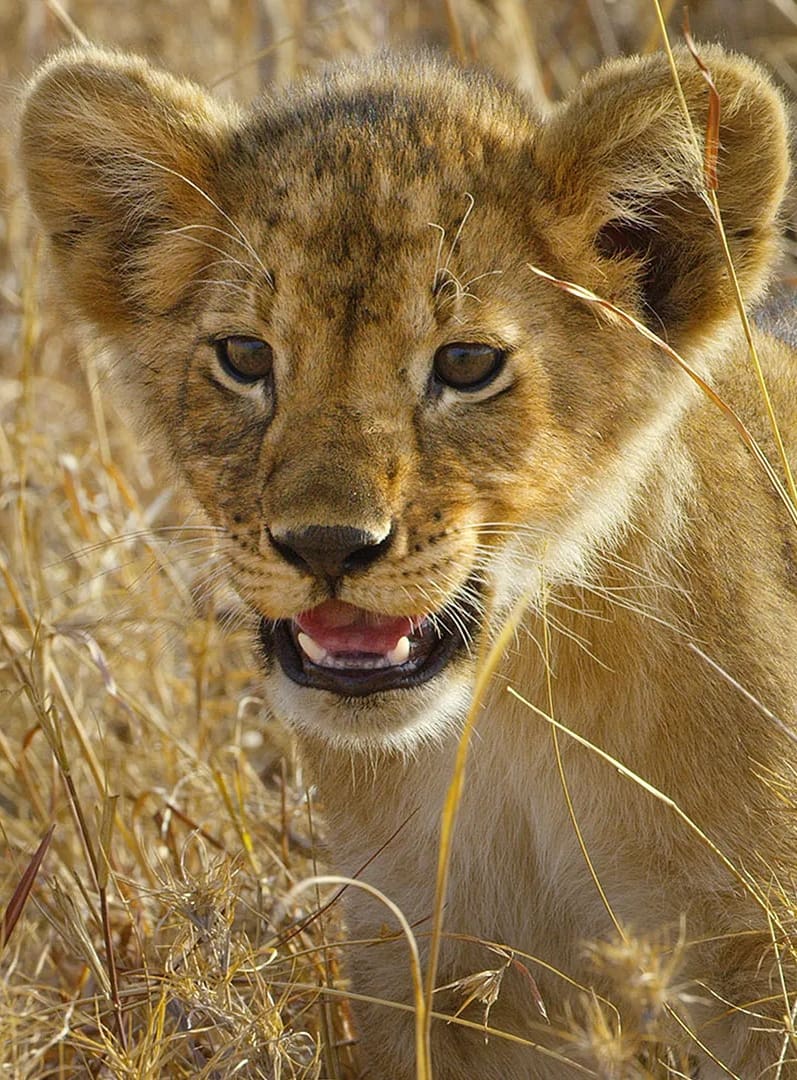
column 173, row 172
column 183, row 232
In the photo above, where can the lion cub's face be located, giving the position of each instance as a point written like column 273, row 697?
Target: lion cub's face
column 326, row 311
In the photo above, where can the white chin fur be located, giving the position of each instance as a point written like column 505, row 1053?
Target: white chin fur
column 394, row 721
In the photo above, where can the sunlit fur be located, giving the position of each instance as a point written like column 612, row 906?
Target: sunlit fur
column 357, row 223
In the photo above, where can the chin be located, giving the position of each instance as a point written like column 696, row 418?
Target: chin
column 390, row 721
column 361, row 680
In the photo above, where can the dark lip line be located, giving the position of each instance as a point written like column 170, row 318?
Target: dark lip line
column 276, row 639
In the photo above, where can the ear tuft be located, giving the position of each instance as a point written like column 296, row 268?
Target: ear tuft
column 625, row 170
column 115, row 155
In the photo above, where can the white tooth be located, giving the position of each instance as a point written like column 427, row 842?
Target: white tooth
column 311, row 648
column 401, row 653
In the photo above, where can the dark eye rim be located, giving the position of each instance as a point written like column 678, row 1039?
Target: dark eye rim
column 499, row 352
column 245, row 378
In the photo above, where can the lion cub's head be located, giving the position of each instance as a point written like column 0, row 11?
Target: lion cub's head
column 324, row 308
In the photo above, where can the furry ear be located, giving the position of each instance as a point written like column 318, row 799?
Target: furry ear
column 116, row 157
column 625, row 173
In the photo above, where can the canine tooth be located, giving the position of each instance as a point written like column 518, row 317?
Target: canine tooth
column 311, row 648
column 401, row 653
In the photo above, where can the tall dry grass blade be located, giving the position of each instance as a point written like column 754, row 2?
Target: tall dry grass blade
column 103, row 870
column 67, row 21
column 487, row 665
column 710, row 195
column 789, row 1039
column 790, row 1009
column 238, row 820
column 746, row 882
column 195, row 827
column 15, row 592
column 714, row 110
column 560, row 768
column 98, row 860
column 748, row 885
column 327, row 1023
column 19, row 897
column 689, row 1030
column 52, row 732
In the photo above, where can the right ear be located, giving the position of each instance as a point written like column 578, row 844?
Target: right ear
column 625, row 177
column 116, row 157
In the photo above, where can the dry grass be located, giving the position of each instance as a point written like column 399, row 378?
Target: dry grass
column 160, row 935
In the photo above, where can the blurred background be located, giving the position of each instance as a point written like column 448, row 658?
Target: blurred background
column 159, row 935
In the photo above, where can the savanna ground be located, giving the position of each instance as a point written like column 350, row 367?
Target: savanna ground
column 160, row 936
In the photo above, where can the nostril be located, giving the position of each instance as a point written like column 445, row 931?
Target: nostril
column 330, row 551
column 287, row 551
column 367, row 553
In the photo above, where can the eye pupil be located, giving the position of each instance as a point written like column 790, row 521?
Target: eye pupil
column 466, row 365
column 245, row 359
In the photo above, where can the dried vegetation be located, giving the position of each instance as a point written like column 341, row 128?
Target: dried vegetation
column 153, row 820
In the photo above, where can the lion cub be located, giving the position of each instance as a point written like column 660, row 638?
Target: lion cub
column 324, row 311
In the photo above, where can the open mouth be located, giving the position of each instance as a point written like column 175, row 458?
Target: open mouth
column 354, row 652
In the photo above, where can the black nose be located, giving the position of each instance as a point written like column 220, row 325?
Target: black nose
column 330, row 551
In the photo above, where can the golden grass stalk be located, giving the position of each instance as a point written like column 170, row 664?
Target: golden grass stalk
column 487, row 665
column 747, row 883
column 422, row 1055
column 712, row 144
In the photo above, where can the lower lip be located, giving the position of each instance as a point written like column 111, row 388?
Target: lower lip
column 277, row 640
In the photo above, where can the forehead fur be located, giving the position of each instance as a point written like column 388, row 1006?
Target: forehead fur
column 378, row 165
column 380, row 147
column 422, row 116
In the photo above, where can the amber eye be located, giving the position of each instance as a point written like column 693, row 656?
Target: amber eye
column 245, row 359
column 467, row 365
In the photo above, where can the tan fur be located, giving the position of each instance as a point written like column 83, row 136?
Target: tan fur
column 357, row 224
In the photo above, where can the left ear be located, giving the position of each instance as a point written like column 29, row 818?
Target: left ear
column 122, row 165
column 624, row 176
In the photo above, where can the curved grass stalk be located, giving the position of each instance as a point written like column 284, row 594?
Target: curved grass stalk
column 422, row 1058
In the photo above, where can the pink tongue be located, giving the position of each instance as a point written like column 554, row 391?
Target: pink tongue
column 344, row 628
